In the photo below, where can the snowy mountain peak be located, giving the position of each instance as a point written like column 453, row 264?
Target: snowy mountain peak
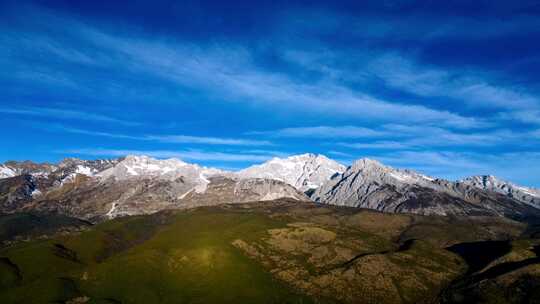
column 304, row 171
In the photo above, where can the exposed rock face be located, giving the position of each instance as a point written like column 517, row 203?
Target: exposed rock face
column 95, row 200
column 69, row 167
column 14, row 168
column 15, row 192
column 227, row 190
column 304, row 172
column 491, row 183
column 369, row 184
column 46, row 176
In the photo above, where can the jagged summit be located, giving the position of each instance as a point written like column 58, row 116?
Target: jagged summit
column 367, row 162
column 304, row 171
column 492, row 183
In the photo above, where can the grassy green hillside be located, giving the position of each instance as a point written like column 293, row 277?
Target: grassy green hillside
column 183, row 258
column 281, row 252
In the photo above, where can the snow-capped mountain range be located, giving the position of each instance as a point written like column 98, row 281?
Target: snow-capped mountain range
column 142, row 184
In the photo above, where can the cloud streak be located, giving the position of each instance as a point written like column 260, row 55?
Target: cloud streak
column 231, row 72
column 436, row 82
column 174, row 139
column 193, row 155
column 322, row 132
column 399, row 136
column 514, row 166
column 64, row 114
column 184, row 139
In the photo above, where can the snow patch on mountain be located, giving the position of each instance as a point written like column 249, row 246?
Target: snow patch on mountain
column 85, row 170
column 35, row 193
column 6, row 172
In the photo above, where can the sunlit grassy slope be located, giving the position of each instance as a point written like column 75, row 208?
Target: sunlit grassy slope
column 183, row 258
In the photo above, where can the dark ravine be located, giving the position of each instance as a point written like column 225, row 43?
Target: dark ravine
column 479, row 254
column 475, row 286
column 12, row 275
column 21, row 226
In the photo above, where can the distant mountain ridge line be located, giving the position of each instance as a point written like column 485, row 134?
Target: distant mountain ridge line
column 137, row 184
column 7, row 165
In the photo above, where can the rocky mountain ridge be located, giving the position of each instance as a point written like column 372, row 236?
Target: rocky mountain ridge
column 101, row 189
column 370, row 184
column 136, row 167
column 525, row 195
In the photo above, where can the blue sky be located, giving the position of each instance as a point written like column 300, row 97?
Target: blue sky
column 449, row 89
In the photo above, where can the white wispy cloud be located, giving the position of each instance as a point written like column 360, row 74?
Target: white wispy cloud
column 66, row 114
column 322, row 132
column 514, row 166
column 421, row 137
column 436, row 136
column 239, row 79
column 475, row 89
column 418, row 26
column 268, row 152
column 465, row 86
column 400, row 136
column 176, row 139
column 529, row 116
column 183, row 139
column 192, row 155
column 377, row 145
column 339, row 154
column 230, row 72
